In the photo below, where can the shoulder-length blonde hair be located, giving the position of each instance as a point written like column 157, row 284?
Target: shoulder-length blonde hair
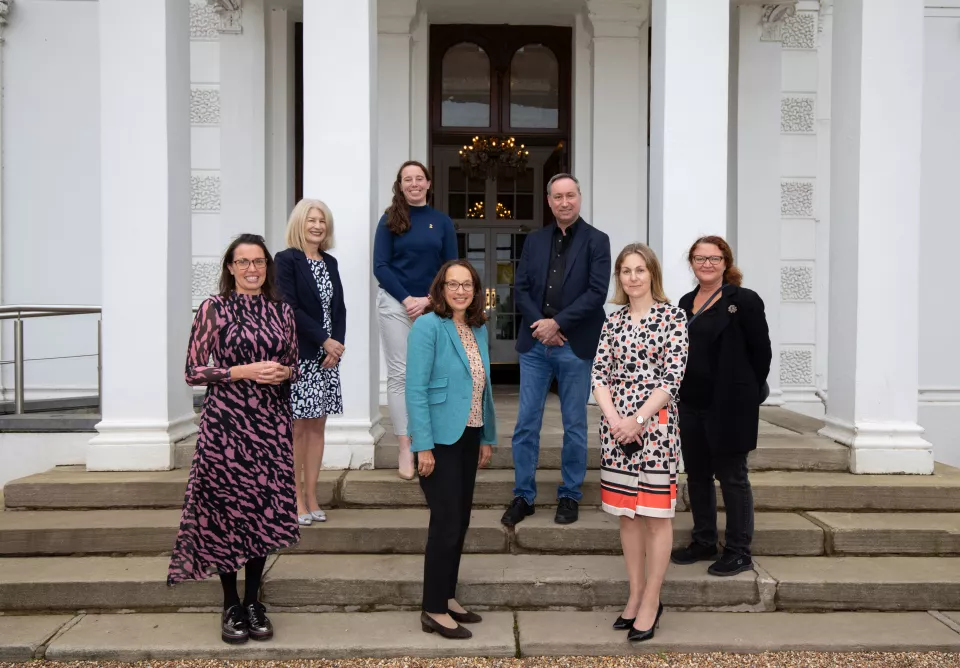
column 297, row 225
column 653, row 268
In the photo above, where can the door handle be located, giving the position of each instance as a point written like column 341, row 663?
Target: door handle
column 487, row 299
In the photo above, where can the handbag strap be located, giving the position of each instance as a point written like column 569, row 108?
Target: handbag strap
column 705, row 305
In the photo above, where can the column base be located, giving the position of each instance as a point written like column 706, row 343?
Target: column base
column 138, row 446
column 882, row 447
column 350, row 443
column 775, row 398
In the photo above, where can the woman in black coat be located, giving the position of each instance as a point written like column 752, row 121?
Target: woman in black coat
column 720, row 397
column 309, row 281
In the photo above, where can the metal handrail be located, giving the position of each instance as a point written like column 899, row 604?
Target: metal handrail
column 18, row 313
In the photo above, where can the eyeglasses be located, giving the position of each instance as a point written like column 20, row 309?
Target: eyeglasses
column 454, row 286
column 712, row 259
column 243, row 263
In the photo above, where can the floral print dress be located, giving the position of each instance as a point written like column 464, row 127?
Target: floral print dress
column 634, row 359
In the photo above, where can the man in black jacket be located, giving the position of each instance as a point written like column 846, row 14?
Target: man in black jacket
column 561, row 286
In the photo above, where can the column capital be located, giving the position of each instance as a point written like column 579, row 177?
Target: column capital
column 772, row 19
column 617, row 18
column 230, row 13
column 395, row 17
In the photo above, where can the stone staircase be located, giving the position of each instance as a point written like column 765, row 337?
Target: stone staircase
column 877, row 557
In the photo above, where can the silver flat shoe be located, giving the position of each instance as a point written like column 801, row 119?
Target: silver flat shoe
column 318, row 515
column 305, row 520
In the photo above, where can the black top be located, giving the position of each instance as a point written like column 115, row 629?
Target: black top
column 730, row 356
column 560, row 245
column 703, row 357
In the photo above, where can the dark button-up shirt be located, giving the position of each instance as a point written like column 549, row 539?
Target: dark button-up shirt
column 553, row 295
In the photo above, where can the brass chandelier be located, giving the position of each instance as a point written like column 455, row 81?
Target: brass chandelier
column 492, row 157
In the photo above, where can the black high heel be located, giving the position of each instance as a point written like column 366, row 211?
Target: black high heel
column 636, row 635
column 623, row 624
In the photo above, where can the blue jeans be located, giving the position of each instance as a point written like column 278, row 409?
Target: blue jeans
column 538, row 368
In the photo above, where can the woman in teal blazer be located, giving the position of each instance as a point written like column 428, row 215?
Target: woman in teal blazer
column 453, row 426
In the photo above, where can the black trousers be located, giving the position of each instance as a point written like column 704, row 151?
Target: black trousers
column 449, row 492
column 703, row 465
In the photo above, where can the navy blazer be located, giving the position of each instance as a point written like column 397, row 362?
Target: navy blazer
column 586, row 278
column 298, row 286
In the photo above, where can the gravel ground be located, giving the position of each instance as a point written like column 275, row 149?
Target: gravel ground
column 769, row 660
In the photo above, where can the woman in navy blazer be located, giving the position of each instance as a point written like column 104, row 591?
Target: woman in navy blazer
column 452, row 424
column 309, row 281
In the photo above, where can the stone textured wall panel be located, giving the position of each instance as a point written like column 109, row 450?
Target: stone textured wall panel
column 206, row 278
column 796, row 283
column 799, row 31
column 205, row 193
column 796, row 366
column 796, row 114
column 796, row 199
column 204, row 106
column 204, row 20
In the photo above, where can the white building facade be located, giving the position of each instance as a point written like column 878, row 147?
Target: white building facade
column 820, row 138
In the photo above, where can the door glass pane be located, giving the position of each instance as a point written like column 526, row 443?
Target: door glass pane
column 534, row 88
column 465, row 87
column 472, row 246
column 506, row 317
column 465, row 197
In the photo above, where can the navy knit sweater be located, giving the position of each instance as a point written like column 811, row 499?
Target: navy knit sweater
column 406, row 264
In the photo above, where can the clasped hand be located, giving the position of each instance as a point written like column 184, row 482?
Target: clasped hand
column 415, row 306
column 266, row 373
column 547, row 332
column 334, row 350
column 626, row 429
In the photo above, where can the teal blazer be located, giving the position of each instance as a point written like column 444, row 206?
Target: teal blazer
column 440, row 385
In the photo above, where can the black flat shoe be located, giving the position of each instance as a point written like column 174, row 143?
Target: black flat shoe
column 636, row 635
column 730, row 564
column 623, row 624
column 258, row 623
column 693, row 553
column 465, row 617
column 430, row 625
column 568, row 511
column 519, row 509
column 233, row 626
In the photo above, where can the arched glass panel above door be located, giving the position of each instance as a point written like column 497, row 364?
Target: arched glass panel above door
column 534, row 88
column 465, row 87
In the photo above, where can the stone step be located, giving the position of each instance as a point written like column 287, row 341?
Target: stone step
column 332, row 636
column 890, row 533
column 371, row 531
column 775, row 452
column 73, row 488
column 365, row 582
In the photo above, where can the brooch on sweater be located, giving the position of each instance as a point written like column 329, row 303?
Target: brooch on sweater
column 732, row 308
column 431, row 226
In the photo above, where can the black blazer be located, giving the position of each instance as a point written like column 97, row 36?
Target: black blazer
column 745, row 354
column 586, row 277
column 299, row 289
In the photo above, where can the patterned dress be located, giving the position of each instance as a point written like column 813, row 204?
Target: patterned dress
column 241, row 501
column 633, row 360
column 469, row 342
column 317, row 392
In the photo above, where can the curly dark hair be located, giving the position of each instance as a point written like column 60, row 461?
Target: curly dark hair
column 475, row 315
column 398, row 213
column 228, row 283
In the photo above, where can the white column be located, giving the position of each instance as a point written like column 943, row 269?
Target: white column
column 619, row 104
column 420, row 90
column 145, row 230
column 280, row 125
column 874, row 237
column 243, row 113
column 340, row 158
column 688, row 126
column 758, row 172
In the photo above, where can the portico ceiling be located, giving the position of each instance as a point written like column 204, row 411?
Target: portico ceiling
column 542, row 12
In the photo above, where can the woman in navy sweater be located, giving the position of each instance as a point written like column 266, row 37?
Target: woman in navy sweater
column 411, row 244
column 310, row 283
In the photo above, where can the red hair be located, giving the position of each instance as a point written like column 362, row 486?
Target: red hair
column 732, row 273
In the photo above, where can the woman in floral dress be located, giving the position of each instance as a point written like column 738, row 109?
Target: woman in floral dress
column 240, row 503
column 636, row 375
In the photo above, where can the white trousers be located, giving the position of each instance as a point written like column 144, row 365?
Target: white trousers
column 394, row 329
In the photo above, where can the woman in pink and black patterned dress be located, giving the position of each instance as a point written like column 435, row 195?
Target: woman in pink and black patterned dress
column 637, row 372
column 240, row 503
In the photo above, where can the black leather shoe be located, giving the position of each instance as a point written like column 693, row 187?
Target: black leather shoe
column 518, row 509
column 730, row 564
column 636, row 635
column 257, row 622
column 465, row 617
column 693, row 553
column 430, row 625
column 233, row 626
column 623, row 624
column 568, row 511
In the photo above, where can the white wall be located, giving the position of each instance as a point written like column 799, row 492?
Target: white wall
column 51, row 188
column 25, row 454
column 939, row 410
